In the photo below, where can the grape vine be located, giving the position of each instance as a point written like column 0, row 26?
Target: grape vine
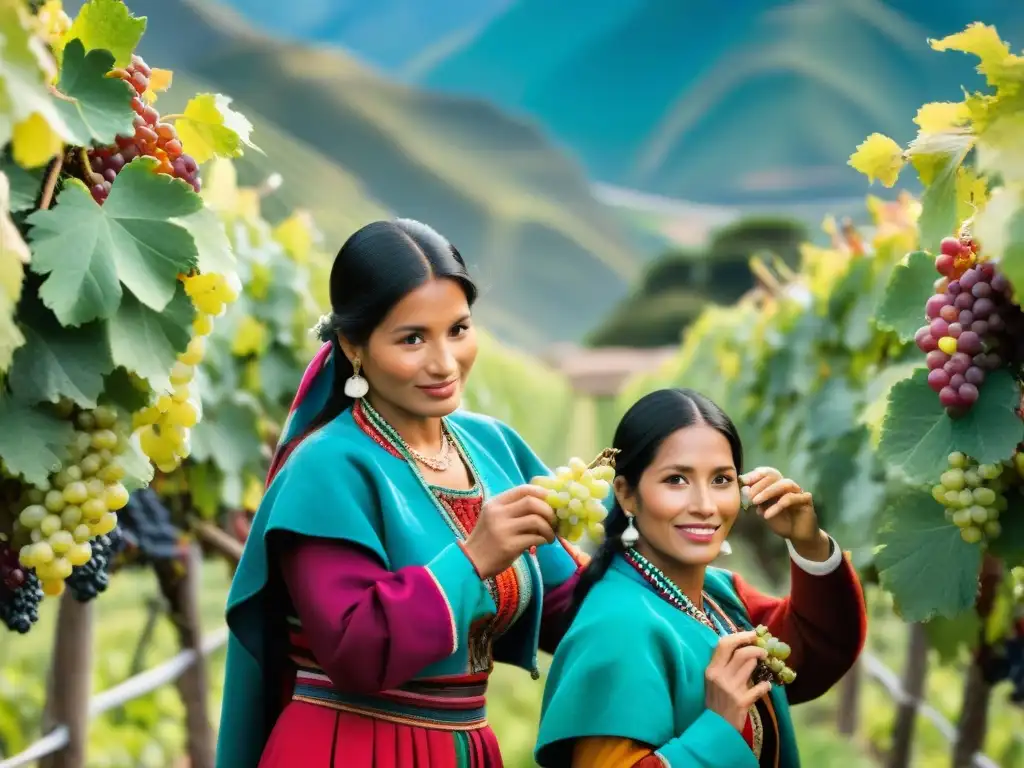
column 98, row 353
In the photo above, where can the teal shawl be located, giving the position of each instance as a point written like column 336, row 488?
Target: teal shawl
column 339, row 484
column 632, row 666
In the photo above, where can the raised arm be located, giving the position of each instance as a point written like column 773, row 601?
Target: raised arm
column 371, row 629
column 823, row 620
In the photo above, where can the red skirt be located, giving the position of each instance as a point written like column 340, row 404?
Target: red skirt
column 319, row 736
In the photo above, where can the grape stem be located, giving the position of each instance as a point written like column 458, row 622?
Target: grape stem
column 51, row 182
column 169, row 118
column 83, row 155
column 62, row 96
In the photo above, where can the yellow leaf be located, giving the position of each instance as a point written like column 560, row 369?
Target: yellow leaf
column 159, row 81
column 253, row 494
column 939, row 116
column 1000, row 150
column 13, row 254
column 295, row 235
column 34, row 142
column 971, row 193
column 981, row 40
column 51, row 23
column 260, row 281
column 250, row 337
column 210, row 128
column 878, row 157
column 248, row 206
column 220, row 186
column 108, row 25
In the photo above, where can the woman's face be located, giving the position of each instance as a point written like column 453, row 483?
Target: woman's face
column 687, row 500
column 418, row 358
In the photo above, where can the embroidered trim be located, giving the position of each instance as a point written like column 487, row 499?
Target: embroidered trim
column 377, row 714
column 663, row 759
column 448, row 605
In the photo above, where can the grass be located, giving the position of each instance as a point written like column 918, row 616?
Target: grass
column 148, row 732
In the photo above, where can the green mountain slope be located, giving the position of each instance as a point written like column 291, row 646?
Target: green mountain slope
column 518, row 209
column 748, row 102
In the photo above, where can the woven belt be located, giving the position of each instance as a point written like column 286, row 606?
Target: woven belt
column 447, row 703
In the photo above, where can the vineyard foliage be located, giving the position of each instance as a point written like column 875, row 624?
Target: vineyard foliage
column 821, row 369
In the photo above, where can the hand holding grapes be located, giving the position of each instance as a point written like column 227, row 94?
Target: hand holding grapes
column 510, row 524
column 727, row 687
column 785, row 506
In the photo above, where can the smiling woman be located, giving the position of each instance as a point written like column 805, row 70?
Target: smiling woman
column 654, row 622
column 398, row 551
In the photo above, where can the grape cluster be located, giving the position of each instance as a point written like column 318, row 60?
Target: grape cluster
column 577, row 492
column 152, row 138
column 972, row 325
column 20, row 592
column 87, row 581
column 78, row 503
column 973, row 495
column 773, row 668
column 149, row 533
column 165, row 425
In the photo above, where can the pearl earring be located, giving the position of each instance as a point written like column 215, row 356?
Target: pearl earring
column 356, row 386
column 631, row 535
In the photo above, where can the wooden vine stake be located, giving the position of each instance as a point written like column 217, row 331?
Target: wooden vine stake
column 914, row 677
column 973, row 725
column 71, row 681
column 180, row 583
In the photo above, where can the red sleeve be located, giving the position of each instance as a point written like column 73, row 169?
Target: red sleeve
column 370, row 629
column 557, row 603
column 823, row 620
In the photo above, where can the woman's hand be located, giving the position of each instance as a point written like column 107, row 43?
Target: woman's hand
column 510, row 524
column 727, row 679
column 787, row 509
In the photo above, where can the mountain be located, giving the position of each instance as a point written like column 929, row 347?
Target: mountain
column 351, row 145
column 752, row 103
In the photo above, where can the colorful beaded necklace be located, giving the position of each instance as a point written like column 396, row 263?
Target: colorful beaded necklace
column 668, row 591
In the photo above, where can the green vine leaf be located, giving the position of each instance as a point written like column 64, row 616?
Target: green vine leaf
column 147, row 342
column 917, row 435
column 32, row 443
column 929, row 569
column 100, row 107
column 910, row 286
column 60, row 362
column 107, row 25
column 129, row 239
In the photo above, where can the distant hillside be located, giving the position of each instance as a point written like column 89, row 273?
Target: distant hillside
column 520, row 211
column 750, row 102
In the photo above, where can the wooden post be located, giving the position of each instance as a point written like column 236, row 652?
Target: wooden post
column 71, row 681
column 914, row 676
column 848, row 709
column 181, row 589
column 973, row 725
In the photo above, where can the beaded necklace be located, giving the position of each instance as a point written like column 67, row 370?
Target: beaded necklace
column 667, row 590
column 672, row 594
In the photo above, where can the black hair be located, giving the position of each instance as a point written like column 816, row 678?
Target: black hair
column 376, row 268
column 642, row 430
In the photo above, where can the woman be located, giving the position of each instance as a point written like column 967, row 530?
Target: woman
column 655, row 669
column 399, row 550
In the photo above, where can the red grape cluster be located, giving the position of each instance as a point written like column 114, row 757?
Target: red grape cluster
column 12, row 575
column 971, row 323
column 152, row 138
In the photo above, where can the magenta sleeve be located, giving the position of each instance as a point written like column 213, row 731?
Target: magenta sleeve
column 557, row 602
column 369, row 628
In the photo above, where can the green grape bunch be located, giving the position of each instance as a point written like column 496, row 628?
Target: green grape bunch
column 577, row 494
column 974, row 495
column 773, row 669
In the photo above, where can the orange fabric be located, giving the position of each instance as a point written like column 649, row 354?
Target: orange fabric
column 613, row 752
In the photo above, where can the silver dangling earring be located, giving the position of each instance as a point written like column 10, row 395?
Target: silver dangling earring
column 725, row 549
column 631, row 535
column 356, row 386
